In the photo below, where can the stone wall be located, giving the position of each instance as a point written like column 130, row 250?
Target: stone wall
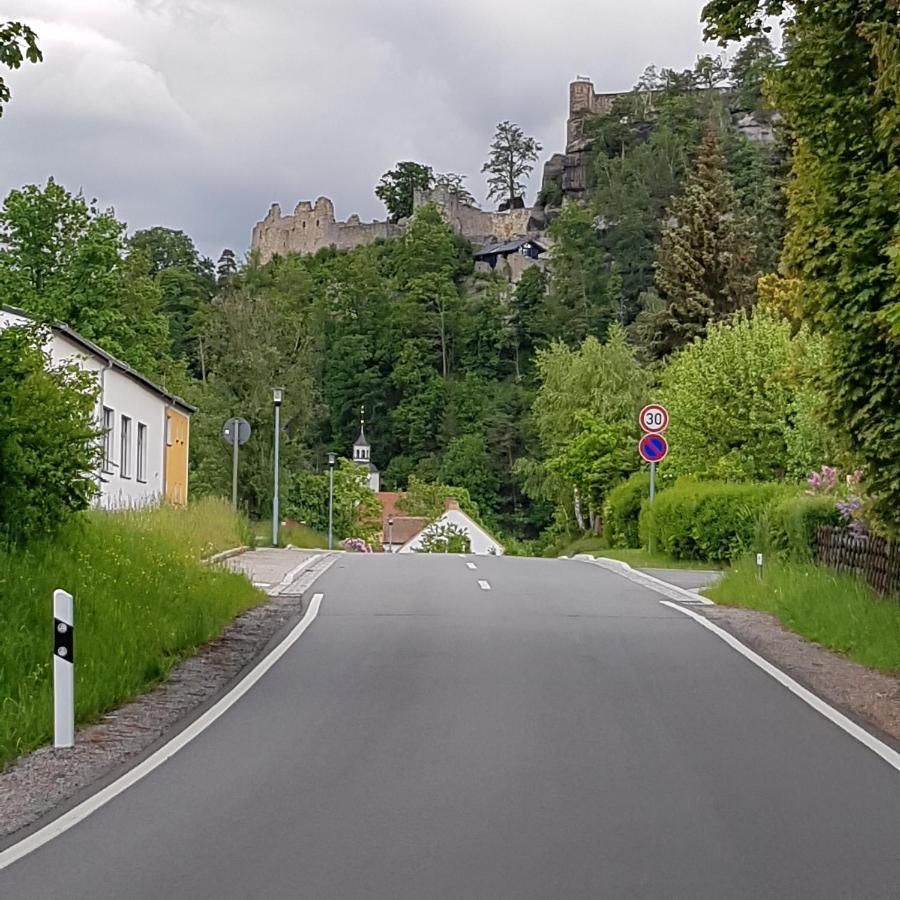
column 477, row 225
column 312, row 227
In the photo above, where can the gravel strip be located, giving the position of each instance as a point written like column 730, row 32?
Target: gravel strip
column 870, row 697
column 36, row 784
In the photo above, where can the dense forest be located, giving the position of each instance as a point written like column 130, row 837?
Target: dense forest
column 694, row 274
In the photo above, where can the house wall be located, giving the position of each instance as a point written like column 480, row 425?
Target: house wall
column 482, row 543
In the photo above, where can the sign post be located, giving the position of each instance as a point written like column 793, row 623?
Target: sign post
column 653, row 447
column 235, row 431
column 63, row 670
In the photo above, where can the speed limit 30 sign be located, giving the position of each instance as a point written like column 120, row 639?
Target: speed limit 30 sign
column 654, row 418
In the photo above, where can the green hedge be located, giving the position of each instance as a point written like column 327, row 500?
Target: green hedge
column 622, row 510
column 793, row 521
column 710, row 520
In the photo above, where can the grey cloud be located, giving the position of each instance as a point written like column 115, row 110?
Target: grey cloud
column 198, row 114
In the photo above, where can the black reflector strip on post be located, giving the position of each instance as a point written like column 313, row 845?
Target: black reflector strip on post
column 63, row 642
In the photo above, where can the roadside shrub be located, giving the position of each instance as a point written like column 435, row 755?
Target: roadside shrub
column 713, row 520
column 49, row 445
column 622, row 510
column 792, row 524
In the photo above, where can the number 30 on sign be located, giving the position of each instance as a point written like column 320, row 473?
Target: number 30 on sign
column 654, row 418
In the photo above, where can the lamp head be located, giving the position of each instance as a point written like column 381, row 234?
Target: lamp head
column 331, row 460
column 277, row 396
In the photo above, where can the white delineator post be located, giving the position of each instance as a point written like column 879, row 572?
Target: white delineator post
column 63, row 670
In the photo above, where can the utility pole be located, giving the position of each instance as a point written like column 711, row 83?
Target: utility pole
column 277, row 396
column 331, row 462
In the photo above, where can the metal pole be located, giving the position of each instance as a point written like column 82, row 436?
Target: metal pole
column 234, row 465
column 275, row 519
column 330, row 504
column 652, row 495
column 63, row 670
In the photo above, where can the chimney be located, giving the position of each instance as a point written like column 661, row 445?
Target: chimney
column 450, row 503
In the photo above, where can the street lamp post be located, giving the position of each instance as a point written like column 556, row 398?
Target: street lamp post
column 331, row 462
column 277, row 397
column 390, row 534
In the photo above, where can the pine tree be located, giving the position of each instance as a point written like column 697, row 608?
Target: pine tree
column 703, row 266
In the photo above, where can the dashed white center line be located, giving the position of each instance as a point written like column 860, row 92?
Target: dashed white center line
column 471, row 566
column 484, row 585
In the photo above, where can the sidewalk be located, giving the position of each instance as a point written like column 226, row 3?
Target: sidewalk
column 273, row 569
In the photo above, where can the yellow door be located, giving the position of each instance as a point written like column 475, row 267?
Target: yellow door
column 177, row 431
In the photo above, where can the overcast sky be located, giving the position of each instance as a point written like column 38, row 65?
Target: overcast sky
column 198, row 114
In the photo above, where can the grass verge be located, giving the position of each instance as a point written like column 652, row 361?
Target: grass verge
column 638, row 559
column 299, row 535
column 143, row 602
column 837, row 611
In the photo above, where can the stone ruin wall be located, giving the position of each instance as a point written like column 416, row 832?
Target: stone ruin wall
column 313, row 226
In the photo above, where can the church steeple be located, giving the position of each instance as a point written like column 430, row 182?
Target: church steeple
column 362, row 449
column 362, row 453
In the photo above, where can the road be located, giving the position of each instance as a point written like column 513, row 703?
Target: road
column 560, row 734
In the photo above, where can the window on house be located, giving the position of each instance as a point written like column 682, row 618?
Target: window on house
column 125, row 459
column 168, row 430
column 109, row 425
column 142, row 452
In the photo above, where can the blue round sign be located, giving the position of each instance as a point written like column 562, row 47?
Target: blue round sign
column 653, row 448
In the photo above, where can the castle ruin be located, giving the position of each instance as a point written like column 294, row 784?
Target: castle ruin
column 313, row 225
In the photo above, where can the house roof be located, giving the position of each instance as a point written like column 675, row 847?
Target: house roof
column 405, row 528
column 361, row 440
column 508, row 246
column 388, row 500
column 108, row 358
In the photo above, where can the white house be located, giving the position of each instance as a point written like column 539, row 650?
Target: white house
column 482, row 544
column 145, row 428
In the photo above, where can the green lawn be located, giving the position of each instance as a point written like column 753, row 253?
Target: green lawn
column 837, row 611
column 638, row 559
column 143, row 601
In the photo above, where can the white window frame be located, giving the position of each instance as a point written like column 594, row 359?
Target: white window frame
column 125, row 445
column 141, row 473
column 109, row 436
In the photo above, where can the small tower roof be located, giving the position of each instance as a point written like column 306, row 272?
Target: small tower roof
column 361, row 440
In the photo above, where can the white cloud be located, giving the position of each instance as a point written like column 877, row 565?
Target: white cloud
column 199, row 113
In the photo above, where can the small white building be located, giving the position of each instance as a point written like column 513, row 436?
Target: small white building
column 481, row 543
column 145, row 428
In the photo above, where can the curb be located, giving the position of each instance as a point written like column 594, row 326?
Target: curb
column 224, row 554
column 673, row 592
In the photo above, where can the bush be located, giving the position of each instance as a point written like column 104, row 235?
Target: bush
column 49, row 445
column 793, row 521
column 623, row 508
column 714, row 521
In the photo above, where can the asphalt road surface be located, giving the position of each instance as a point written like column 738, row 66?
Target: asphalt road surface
column 560, row 735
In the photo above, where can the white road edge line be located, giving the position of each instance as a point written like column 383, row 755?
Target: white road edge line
column 890, row 756
column 471, row 566
column 93, row 803
column 484, row 585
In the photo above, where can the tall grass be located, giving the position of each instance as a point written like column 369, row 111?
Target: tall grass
column 143, row 601
column 838, row 611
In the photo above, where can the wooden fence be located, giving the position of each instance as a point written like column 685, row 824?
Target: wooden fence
column 873, row 558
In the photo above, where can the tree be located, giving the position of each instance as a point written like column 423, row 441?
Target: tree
column 18, row 43
column 186, row 282
column 226, row 267
column 587, row 403
column 838, row 94
column 64, row 260
column 49, row 444
column 703, row 269
column 709, row 72
column 455, row 186
column 512, row 159
column 754, row 62
column 398, row 186
column 741, row 403
column 447, row 538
